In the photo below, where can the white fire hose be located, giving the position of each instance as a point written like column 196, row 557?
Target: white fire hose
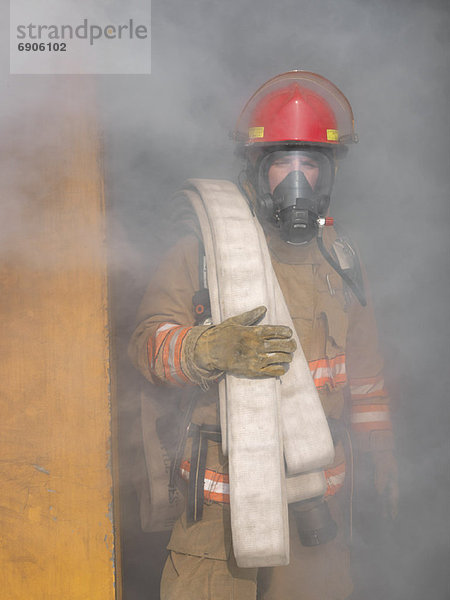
column 274, row 431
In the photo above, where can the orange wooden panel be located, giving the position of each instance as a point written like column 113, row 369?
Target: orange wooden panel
column 57, row 516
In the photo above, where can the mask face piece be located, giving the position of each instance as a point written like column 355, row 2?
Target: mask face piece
column 294, row 208
column 294, row 190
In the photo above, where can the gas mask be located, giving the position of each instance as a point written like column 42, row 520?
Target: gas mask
column 294, row 191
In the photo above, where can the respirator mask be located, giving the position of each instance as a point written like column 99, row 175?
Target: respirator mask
column 294, row 188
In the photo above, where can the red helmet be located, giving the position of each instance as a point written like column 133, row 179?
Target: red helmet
column 296, row 107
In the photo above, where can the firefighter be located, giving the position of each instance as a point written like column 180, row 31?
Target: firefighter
column 290, row 135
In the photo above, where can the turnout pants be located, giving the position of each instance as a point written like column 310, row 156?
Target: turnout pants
column 201, row 564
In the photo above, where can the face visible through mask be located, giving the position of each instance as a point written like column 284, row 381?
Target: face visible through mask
column 293, row 161
column 294, row 188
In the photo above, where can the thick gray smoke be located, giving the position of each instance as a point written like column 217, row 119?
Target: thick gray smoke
column 391, row 60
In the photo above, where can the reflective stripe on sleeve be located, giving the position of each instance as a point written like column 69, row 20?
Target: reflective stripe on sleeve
column 370, row 417
column 165, row 346
column 159, row 338
column 368, row 387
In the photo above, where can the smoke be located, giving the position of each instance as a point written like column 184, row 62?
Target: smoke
column 391, row 194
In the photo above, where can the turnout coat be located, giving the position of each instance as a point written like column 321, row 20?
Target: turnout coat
column 339, row 340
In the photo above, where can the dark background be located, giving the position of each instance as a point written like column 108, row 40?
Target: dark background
column 391, row 59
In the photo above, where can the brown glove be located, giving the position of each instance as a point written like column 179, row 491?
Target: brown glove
column 239, row 347
column 386, row 481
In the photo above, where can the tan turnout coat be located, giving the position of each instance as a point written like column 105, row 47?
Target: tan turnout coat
column 334, row 330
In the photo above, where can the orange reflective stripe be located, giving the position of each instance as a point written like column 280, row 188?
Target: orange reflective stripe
column 370, row 417
column 160, row 337
column 216, row 486
column 338, row 372
column 177, row 353
column 319, row 363
column 166, row 356
column 335, row 479
column 326, row 371
column 172, row 358
column 367, row 387
column 165, row 346
column 321, row 372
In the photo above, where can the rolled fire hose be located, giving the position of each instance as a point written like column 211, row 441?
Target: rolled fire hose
column 265, row 422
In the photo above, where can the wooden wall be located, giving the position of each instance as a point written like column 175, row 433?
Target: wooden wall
column 58, row 511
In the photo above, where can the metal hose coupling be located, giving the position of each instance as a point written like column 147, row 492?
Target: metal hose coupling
column 315, row 525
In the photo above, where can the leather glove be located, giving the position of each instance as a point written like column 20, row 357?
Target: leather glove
column 386, row 481
column 240, row 347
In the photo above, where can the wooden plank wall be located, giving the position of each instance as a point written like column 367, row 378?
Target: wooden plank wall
column 58, row 526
